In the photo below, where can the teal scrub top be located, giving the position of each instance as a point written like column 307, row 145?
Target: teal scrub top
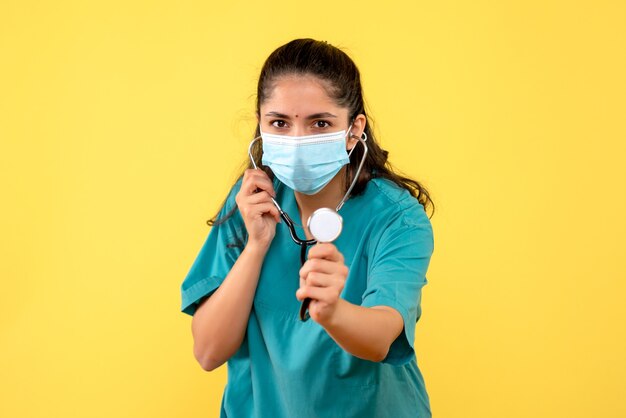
column 289, row 368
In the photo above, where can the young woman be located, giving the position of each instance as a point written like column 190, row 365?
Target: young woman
column 247, row 288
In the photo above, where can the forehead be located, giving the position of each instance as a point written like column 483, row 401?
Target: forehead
column 299, row 94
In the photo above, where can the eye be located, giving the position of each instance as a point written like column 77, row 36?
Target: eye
column 321, row 124
column 278, row 123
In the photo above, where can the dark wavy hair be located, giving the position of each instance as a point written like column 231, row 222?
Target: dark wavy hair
column 336, row 68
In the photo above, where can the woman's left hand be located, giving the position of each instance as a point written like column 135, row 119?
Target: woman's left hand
column 322, row 278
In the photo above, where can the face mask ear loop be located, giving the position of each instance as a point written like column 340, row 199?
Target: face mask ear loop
column 352, row 136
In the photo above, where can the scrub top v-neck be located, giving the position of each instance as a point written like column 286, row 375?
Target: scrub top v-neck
column 288, row 368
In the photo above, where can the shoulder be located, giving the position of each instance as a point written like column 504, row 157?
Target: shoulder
column 229, row 201
column 395, row 203
column 400, row 226
column 234, row 189
column 396, row 217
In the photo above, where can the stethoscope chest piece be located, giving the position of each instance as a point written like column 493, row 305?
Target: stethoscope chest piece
column 325, row 225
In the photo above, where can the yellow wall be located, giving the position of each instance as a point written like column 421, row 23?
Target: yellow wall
column 122, row 125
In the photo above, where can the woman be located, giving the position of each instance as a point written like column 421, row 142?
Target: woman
column 355, row 356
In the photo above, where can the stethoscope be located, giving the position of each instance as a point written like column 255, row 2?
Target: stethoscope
column 325, row 224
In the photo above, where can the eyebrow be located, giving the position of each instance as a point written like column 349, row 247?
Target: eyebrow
column 313, row 116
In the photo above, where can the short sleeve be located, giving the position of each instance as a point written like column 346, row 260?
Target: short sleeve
column 219, row 252
column 397, row 273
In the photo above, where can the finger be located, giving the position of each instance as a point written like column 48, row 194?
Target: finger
column 268, row 209
column 323, row 266
column 326, row 251
column 245, row 202
column 260, row 197
column 253, row 185
column 315, row 308
column 322, row 294
column 316, row 279
column 260, row 209
column 257, row 180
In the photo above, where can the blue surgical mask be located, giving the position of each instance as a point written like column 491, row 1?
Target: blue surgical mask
column 305, row 163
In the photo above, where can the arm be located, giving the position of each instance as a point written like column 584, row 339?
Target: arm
column 219, row 324
column 366, row 333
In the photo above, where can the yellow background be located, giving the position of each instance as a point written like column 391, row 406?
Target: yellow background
column 124, row 123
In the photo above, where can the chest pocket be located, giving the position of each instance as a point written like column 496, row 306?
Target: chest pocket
column 279, row 278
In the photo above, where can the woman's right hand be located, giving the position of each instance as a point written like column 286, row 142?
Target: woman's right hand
column 259, row 213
